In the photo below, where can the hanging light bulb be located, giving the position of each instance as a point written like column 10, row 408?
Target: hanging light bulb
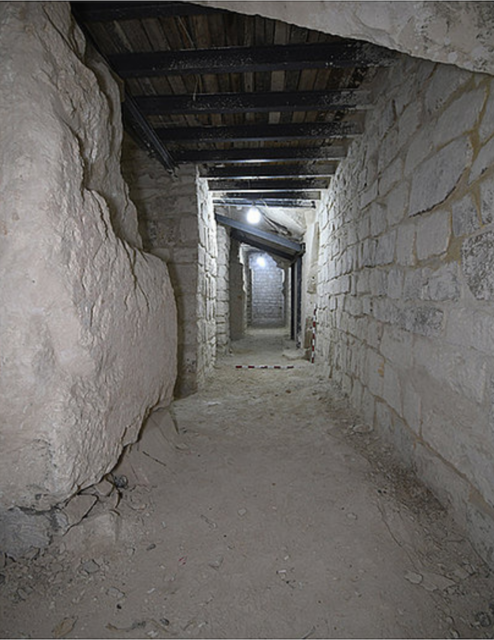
column 253, row 215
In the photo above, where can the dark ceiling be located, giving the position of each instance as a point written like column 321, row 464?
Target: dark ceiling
column 266, row 108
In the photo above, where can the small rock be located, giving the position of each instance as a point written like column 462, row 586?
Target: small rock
column 163, row 524
column 165, row 622
column 90, row 566
column 115, row 593
column 150, row 547
column 433, row 581
column 351, row 516
column 64, row 627
column 121, row 482
column 362, row 428
column 77, row 508
column 22, row 594
column 242, row 512
column 483, row 619
column 103, row 488
column 454, row 633
column 181, row 446
column 216, row 564
column 152, row 634
column 414, row 578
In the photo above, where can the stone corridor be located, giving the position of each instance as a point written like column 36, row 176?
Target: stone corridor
column 257, row 508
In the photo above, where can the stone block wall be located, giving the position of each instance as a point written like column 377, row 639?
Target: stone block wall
column 207, row 282
column 223, row 292
column 238, row 291
column 268, row 292
column 168, row 221
column 406, row 280
column 88, row 320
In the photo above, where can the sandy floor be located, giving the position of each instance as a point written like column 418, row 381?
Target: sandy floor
column 259, row 508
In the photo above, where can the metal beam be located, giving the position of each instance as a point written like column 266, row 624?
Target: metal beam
column 258, row 244
column 284, row 243
column 132, row 117
column 108, row 11
column 258, row 132
column 277, row 184
column 285, row 170
column 245, row 202
column 262, row 196
column 138, row 123
column 260, row 102
column 264, row 154
column 322, row 55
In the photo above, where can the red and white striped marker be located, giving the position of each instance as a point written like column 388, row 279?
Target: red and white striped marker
column 264, row 366
column 314, row 320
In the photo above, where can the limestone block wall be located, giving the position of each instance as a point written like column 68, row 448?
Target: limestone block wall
column 207, row 282
column 223, row 292
column 88, row 321
column 168, row 222
column 268, row 288
column 238, row 291
column 406, row 284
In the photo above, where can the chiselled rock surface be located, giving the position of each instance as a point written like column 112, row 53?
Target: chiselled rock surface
column 452, row 32
column 88, row 321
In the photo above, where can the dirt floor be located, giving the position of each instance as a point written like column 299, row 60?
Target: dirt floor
column 258, row 508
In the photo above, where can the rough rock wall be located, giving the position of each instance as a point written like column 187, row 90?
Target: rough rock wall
column 167, row 207
column 406, row 285
column 223, row 292
column 450, row 32
column 88, row 321
column 207, row 282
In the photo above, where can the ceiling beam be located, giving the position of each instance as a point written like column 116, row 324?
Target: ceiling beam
column 245, row 202
column 108, row 11
column 260, row 102
column 264, row 196
column 244, row 171
column 258, row 244
column 267, row 236
column 258, row 132
column 277, row 184
column 322, row 55
column 264, row 154
column 134, row 120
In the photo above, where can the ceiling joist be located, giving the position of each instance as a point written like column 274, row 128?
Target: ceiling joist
column 264, row 196
column 245, row 202
column 256, row 133
column 265, row 154
column 266, row 170
column 281, row 101
column 294, row 57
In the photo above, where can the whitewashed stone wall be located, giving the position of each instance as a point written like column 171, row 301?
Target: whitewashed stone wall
column 238, row 291
column 88, row 321
column 207, row 281
column 223, row 293
column 406, row 284
column 168, row 221
column 268, row 291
